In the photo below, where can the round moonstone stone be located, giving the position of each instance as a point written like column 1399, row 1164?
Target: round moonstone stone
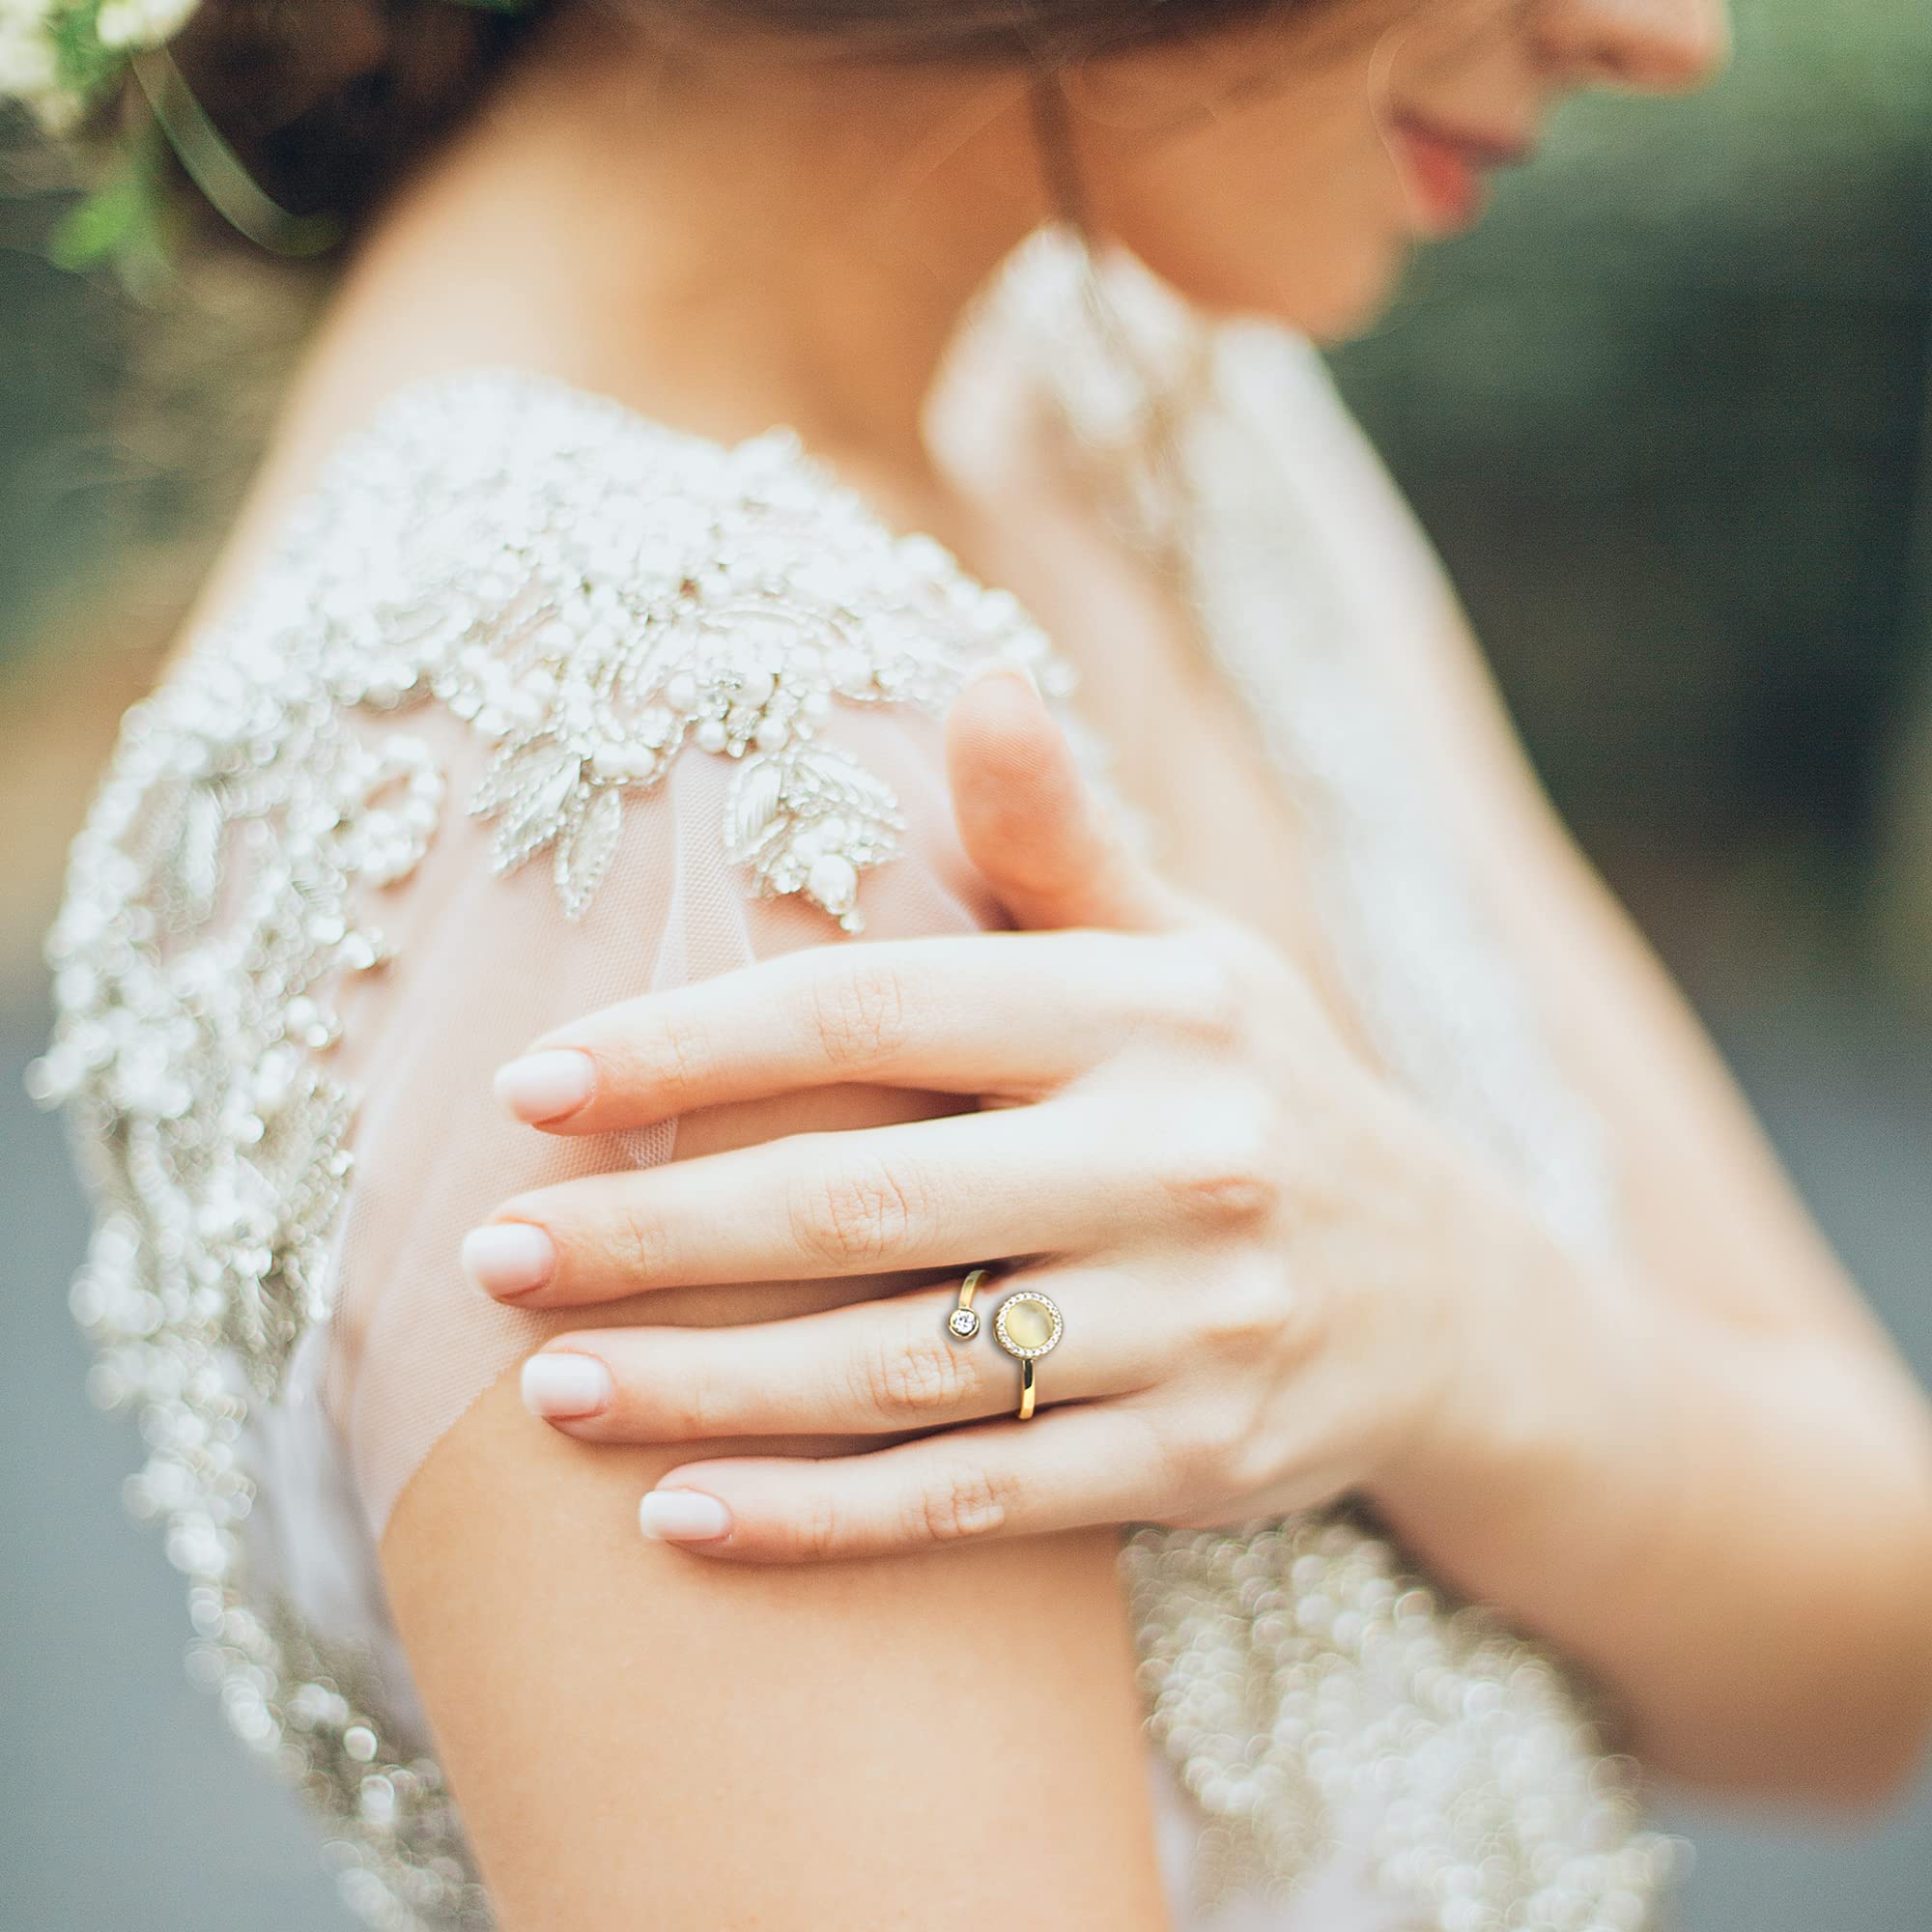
column 1028, row 1324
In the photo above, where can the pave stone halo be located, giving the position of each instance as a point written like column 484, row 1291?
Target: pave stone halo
column 1028, row 1324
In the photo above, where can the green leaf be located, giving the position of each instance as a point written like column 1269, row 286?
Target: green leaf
column 102, row 222
column 81, row 63
column 124, row 214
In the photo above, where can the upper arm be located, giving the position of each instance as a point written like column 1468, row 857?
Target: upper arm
column 637, row 1734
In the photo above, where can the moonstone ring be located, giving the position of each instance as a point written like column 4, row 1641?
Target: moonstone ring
column 1027, row 1325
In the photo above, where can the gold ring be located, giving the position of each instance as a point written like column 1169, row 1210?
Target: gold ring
column 964, row 1320
column 1027, row 1325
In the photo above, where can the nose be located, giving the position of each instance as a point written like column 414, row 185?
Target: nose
column 1659, row 46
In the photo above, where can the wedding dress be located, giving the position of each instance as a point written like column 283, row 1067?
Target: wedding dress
column 536, row 703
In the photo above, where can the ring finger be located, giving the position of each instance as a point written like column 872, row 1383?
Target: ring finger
column 864, row 1368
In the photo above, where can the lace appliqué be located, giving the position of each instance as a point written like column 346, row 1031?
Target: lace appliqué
column 596, row 690
column 802, row 816
column 590, row 593
column 695, row 595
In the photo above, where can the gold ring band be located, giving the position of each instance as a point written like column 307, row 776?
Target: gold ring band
column 1028, row 1324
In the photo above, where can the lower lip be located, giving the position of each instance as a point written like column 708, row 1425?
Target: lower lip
column 1450, row 187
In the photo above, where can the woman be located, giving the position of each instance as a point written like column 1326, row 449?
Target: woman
column 1367, row 1189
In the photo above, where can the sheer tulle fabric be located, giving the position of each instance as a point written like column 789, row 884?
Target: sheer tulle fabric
column 485, row 962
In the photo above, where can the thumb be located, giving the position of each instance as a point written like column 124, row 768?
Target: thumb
column 1030, row 823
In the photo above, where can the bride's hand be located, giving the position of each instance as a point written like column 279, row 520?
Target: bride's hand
column 1257, row 1245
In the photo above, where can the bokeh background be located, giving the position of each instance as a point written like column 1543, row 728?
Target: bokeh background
column 1667, row 415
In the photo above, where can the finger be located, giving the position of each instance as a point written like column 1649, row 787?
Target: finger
column 872, row 1367
column 1006, row 1015
column 1064, row 1468
column 958, row 1190
column 1031, row 825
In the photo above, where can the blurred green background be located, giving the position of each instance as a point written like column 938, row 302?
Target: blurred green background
column 1666, row 414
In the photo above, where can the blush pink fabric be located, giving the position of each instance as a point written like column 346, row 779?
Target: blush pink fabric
column 483, row 964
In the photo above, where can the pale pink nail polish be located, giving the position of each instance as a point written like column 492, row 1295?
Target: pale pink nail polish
column 545, row 1086
column 508, row 1258
column 996, row 666
column 682, row 1516
column 562, row 1387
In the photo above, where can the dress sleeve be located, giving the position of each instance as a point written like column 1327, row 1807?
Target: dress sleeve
column 530, row 704
column 482, row 962
column 534, row 703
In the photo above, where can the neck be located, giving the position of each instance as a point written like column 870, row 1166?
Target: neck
column 726, row 239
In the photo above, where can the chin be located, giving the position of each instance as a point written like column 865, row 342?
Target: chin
column 1328, row 293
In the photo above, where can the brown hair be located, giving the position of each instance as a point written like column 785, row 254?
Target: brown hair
column 325, row 102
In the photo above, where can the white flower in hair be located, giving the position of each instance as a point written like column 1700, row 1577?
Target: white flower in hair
column 29, row 71
column 55, row 54
column 62, row 59
column 140, row 23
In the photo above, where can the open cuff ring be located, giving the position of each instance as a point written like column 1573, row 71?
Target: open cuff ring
column 1027, row 1325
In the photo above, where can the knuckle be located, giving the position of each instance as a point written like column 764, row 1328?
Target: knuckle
column 817, row 1528
column 1180, row 1462
column 911, row 1377
column 639, row 1245
column 858, row 1015
column 1210, row 1449
column 1222, row 1172
column 674, row 1058
column 695, row 1410
column 963, row 1503
column 1204, row 998
column 851, row 1220
column 1251, row 1458
column 1162, row 1460
column 1244, row 1310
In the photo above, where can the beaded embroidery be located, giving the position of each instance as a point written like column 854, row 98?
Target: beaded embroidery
column 592, row 593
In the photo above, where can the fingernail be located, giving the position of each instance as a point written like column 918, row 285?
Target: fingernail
column 564, row 1386
column 543, row 1086
column 682, row 1516
column 1002, row 667
column 508, row 1256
